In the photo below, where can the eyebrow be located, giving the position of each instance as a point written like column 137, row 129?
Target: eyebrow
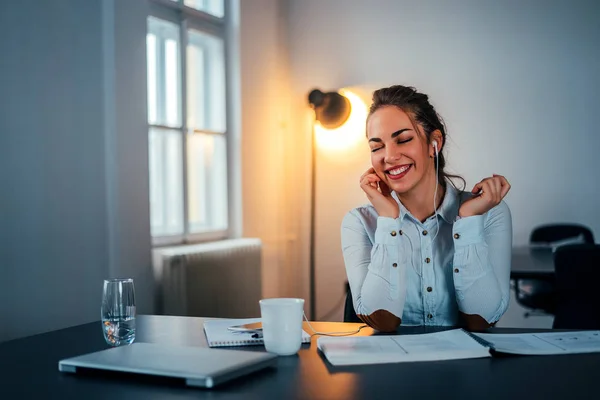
column 393, row 135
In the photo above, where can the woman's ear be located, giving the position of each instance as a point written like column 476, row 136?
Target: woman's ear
column 437, row 137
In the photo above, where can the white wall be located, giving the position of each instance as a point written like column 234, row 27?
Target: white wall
column 73, row 160
column 126, row 141
column 516, row 82
column 270, row 155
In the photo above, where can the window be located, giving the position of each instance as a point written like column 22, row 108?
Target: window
column 214, row 7
column 187, row 118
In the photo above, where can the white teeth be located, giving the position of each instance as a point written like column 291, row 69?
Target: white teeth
column 400, row 170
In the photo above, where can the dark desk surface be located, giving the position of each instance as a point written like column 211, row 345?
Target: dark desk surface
column 532, row 263
column 29, row 369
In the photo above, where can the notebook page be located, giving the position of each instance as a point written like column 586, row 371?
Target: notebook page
column 544, row 343
column 447, row 345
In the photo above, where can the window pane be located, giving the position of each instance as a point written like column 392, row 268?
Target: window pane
column 166, row 182
column 152, row 78
column 207, row 182
column 164, row 77
column 206, row 82
column 214, row 7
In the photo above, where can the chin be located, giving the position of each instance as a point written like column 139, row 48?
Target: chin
column 400, row 187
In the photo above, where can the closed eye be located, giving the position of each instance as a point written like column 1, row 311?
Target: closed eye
column 404, row 141
column 374, row 150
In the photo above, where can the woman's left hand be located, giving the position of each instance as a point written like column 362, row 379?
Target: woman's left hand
column 488, row 194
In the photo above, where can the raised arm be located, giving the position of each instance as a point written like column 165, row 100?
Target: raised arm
column 482, row 258
column 375, row 267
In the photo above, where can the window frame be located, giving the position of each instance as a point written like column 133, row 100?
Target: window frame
column 188, row 18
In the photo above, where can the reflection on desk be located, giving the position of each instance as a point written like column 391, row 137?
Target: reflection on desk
column 532, row 262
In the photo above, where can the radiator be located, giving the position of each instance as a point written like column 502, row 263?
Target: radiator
column 218, row 279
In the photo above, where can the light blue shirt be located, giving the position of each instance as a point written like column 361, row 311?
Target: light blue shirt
column 402, row 266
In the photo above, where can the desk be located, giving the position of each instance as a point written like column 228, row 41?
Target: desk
column 532, row 263
column 29, row 369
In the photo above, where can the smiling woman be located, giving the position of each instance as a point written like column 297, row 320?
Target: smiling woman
column 424, row 252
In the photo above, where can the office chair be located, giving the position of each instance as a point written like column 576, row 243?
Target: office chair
column 349, row 313
column 539, row 295
column 577, row 278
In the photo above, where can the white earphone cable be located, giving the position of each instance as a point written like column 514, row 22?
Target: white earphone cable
column 437, row 169
column 347, row 333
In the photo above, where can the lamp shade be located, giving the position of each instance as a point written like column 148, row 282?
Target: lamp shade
column 331, row 108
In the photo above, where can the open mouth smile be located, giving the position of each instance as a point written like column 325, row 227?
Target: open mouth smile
column 398, row 172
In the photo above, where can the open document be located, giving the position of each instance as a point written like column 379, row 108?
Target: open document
column 446, row 345
column 543, row 343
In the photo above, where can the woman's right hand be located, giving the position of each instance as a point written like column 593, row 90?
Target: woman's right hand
column 379, row 194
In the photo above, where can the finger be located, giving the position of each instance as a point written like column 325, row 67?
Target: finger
column 477, row 188
column 497, row 188
column 505, row 185
column 368, row 172
column 371, row 192
column 369, row 189
column 370, row 181
column 490, row 190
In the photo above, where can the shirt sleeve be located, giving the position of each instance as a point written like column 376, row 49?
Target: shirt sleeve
column 481, row 267
column 375, row 265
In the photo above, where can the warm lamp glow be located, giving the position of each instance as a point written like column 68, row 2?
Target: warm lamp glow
column 347, row 135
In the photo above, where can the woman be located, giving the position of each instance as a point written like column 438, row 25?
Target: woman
column 424, row 252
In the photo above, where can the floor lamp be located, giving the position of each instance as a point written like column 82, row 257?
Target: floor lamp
column 332, row 110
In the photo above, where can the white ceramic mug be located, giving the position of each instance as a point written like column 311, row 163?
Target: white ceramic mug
column 282, row 325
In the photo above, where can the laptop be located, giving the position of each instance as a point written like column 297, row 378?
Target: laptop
column 198, row 366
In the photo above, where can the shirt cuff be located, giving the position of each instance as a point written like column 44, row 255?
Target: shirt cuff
column 388, row 231
column 468, row 230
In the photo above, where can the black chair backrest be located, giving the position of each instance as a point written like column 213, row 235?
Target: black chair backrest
column 555, row 232
column 577, row 282
column 349, row 313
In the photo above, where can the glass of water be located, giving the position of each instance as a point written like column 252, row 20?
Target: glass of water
column 118, row 311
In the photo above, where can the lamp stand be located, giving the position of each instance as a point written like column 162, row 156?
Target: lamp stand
column 312, row 262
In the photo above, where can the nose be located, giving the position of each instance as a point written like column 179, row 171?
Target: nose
column 392, row 155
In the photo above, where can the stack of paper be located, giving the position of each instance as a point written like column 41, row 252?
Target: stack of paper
column 544, row 343
column 451, row 345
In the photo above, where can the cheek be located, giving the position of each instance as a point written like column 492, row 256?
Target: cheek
column 376, row 160
column 418, row 154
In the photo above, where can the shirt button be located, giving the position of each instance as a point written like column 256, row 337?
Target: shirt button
column 394, row 265
column 456, row 270
column 456, row 236
column 428, row 260
column 429, row 288
column 393, row 233
column 424, row 233
column 429, row 316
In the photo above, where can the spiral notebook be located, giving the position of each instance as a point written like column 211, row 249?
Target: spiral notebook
column 218, row 334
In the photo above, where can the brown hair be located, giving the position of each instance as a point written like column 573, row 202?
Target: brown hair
column 416, row 105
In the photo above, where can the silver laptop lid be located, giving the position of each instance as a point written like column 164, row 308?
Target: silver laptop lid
column 199, row 366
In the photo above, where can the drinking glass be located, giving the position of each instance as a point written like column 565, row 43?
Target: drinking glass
column 118, row 311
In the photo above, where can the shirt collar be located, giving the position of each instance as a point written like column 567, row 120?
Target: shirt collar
column 448, row 209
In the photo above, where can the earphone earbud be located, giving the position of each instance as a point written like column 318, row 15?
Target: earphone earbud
column 435, row 147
